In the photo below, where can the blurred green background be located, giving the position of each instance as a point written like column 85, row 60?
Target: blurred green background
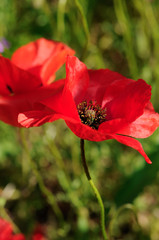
column 122, row 36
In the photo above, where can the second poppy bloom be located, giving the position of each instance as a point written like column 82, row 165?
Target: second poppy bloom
column 6, row 232
column 42, row 58
column 27, row 78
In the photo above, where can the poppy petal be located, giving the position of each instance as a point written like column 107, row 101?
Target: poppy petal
column 85, row 132
column 38, row 118
column 131, row 102
column 15, row 80
column 144, row 126
column 11, row 106
column 57, row 59
column 44, row 58
column 133, row 143
column 62, row 105
column 112, row 126
column 35, row 118
column 77, row 78
column 104, row 85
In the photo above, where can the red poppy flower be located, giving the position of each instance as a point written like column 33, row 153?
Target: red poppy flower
column 6, row 232
column 42, row 58
column 20, row 91
column 99, row 105
column 22, row 85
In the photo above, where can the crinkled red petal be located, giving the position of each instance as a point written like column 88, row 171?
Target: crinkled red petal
column 38, row 118
column 85, row 132
column 59, row 105
column 62, row 103
column 133, row 143
column 77, row 78
column 11, row 106
column 14, row 80
column 112, row 126
column 42, row 58
column 131, row 102
column 144, row 126
column 104, row 85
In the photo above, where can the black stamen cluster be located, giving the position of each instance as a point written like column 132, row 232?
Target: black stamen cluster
column 91, row 114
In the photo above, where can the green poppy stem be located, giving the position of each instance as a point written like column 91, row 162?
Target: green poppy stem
column 94, row 189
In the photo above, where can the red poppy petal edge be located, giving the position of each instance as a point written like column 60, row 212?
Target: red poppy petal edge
column 144, row 126
column 77, row 78
column 44, row 58
column 35, row 118
column 85, row 132
column 131, row 102
column 133, row 143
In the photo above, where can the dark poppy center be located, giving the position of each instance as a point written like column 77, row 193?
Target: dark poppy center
column 91, row 113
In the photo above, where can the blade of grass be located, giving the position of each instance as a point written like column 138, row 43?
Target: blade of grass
column 85, row 27
column 60, row 17
column 126, row 26
column 49, row 195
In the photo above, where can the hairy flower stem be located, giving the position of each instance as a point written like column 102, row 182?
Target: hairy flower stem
column 94, row 189
column 49, row 196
